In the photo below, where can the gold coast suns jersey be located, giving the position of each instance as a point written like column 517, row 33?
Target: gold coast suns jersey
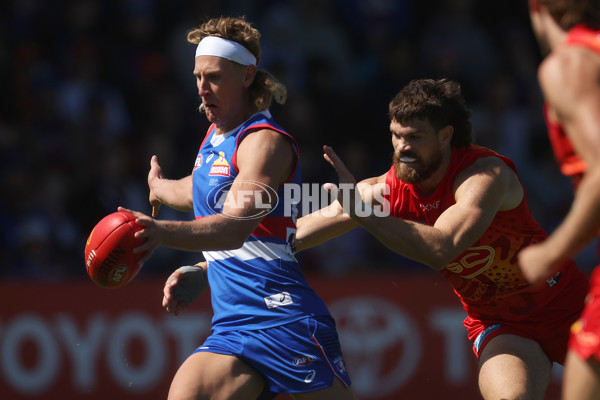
column 486, row 276
column 570, row 163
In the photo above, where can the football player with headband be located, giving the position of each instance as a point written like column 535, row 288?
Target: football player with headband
column 271, row 333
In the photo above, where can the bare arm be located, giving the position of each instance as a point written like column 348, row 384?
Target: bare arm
column 481, row 190
column 570, row 80
column 331, row 221
column 321, row 226
column 265, row 157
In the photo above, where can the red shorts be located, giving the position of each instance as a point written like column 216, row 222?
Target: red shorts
column 549, row 326
column 585, row 333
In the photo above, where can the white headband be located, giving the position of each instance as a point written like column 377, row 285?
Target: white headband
column 219, row 47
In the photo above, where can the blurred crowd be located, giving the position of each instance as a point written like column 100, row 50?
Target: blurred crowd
column 90, row 89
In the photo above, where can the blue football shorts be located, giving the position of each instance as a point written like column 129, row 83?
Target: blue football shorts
column 298, row 357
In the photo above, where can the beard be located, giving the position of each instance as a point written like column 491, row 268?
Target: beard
column 421, row 172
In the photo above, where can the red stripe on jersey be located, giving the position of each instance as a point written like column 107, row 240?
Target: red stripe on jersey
column 210, row 128
column 274, row 227
column 257, row 127
column 585, row 36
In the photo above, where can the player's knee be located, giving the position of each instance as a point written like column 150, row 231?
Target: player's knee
column 510, row 392
column 181, row 393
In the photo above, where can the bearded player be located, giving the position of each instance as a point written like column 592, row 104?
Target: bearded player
column 461, row 210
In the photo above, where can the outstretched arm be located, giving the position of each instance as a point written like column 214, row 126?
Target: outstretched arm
column 481, row 190
column 321, row 226
column 331, row 221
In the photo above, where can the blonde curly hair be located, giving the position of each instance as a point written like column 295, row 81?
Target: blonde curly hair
column 265, row 87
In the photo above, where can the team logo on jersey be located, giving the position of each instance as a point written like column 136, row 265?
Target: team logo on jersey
column 198, row 162
column 304, row 360
column 474, row 261
column 310, row 376
column 430, row 206
column 339, row 365
column 220, row 166
column 278, row 300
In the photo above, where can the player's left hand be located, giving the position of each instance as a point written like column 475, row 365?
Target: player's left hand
column 152, row 231
column 183, row 287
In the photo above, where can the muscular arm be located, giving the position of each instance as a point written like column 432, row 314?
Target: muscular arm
column 480, row 191
column 483, row 189
column 265, row 157
column 330, row 222
column 570, row 80
column 321, row 226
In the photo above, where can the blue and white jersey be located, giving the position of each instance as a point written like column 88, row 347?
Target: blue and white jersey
column 259, row 285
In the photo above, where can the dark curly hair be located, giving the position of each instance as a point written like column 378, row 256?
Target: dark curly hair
column 438, row 101
column 568, row 13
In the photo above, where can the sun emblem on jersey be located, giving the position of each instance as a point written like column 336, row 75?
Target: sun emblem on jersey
column 220, row 166
column 474, row 261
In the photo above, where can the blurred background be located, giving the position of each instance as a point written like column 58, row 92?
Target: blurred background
column 91, row 89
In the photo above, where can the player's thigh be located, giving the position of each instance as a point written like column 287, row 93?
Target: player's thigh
column 336, row 391
column 207, row 375
column 513, row 367
column 581, row 380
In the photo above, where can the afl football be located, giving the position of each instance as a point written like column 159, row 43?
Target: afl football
column 109, row 257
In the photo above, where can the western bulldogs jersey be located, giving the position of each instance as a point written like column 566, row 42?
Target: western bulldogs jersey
column 259, row 285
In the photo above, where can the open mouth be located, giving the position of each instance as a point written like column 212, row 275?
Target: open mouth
column 407, row 159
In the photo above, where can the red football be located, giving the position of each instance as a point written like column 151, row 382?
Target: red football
column 109, row 257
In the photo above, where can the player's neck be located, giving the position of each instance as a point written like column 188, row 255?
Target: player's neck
column 428, row 187
column 235, row 122
column 555, row 35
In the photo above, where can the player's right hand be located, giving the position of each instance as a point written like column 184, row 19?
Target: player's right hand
column 347, row 183
column 183, row 287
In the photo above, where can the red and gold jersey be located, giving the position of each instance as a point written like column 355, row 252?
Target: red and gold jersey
column 485, row 277
column 570, row 163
